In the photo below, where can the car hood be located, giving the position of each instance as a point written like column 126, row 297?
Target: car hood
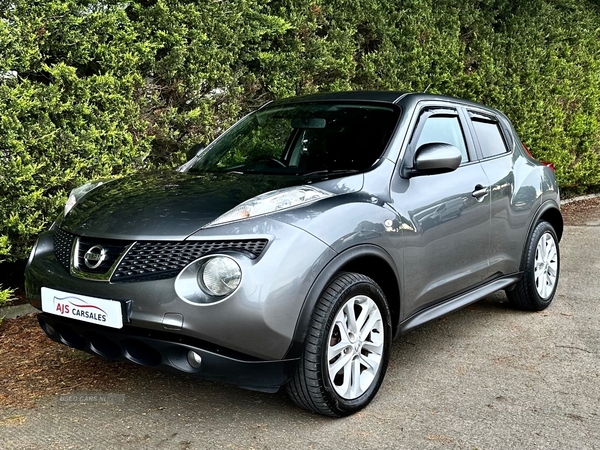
column 165, row 205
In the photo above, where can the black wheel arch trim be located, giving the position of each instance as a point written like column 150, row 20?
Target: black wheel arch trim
column 547, row 206
column 320, row 283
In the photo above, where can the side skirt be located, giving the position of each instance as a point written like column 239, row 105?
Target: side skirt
column 456, row 303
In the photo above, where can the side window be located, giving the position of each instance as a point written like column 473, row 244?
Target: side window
column 490, row 138
column 444, row 129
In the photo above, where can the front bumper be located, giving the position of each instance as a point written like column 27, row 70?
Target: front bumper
column 258, row 320
column 169, row 351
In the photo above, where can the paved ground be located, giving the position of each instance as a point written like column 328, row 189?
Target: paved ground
column 486, row 377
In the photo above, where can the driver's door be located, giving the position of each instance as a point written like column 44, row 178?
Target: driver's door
column 446, row 228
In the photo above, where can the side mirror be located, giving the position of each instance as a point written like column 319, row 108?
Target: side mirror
column 194, row 150
column 435, row 158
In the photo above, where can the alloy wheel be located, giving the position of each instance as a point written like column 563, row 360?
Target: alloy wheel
column 546, row 265
column 356, row 344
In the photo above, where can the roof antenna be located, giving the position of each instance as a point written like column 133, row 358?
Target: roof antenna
column 427, row 88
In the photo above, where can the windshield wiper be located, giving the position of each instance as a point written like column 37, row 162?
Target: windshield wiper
column 329, row 172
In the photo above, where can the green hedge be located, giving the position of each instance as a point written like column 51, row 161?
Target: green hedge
column 95, row 89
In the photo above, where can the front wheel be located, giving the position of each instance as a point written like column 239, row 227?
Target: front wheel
column 347, row 348
column 535, row 291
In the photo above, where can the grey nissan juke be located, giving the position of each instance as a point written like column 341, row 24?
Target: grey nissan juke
column 293, row 248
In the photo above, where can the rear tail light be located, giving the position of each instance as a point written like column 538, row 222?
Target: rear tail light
column 547, row 164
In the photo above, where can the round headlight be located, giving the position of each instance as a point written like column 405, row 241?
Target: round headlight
column 220, row 276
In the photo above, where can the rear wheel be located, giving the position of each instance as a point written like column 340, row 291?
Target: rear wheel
column 347, row 348
column 535, row 291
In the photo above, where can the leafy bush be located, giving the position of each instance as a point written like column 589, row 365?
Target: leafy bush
column 101, row 88
column 5, row 294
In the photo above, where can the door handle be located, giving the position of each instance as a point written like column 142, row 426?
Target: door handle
column 480, row 192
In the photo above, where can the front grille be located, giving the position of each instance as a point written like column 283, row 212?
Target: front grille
column 156, row 260
column 63, row 242
column 114, row 250
column 145, row 260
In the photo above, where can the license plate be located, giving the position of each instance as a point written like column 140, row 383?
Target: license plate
column 99, row 311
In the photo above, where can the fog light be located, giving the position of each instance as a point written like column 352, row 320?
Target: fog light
column 220, row 276
column 194, row 359
column 49, row 329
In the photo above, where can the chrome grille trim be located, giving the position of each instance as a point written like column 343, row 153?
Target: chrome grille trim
column 77, row 257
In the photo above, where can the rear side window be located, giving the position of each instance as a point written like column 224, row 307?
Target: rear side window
column 490, row 138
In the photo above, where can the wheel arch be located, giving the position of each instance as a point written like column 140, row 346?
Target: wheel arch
column 553, row 216
column 369, row 260
column 550, row 212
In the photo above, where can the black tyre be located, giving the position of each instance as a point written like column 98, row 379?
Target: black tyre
column 347, row 348
column 541, row 266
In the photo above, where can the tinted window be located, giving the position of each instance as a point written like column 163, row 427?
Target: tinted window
column 446, row 130
column 490, row 138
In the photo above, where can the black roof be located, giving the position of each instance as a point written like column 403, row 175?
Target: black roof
column 409, row 98
column 372, row 96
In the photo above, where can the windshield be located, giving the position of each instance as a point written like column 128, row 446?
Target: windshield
column 302, row 139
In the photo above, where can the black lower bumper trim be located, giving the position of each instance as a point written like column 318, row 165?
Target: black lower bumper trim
column 171, row 355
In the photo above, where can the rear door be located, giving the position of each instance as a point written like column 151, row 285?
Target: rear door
column 446, row 228
column 510, row 205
